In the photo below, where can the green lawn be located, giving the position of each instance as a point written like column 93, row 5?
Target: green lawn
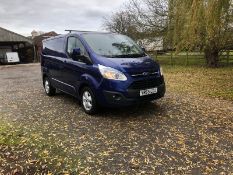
column 200, row 81
column 190, row 75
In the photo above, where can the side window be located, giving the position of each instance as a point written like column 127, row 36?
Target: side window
column 71, row 45
column 75, row 43
column 80, row 45
column 54, row 47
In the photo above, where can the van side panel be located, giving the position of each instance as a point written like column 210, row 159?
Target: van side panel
column 53, row 57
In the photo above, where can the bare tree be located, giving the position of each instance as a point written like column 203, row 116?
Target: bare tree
column 122, row 22
column 150, row 15
column 140, row 19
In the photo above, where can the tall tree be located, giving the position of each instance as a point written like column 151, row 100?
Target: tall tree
column 204, row 25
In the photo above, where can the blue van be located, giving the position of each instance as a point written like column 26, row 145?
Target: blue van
column 100, row 69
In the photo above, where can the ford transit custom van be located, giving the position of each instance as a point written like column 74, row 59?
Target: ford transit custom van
column 100, row 69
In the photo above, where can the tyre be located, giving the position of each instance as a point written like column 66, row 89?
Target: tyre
column 49, row 89
column 88, row 101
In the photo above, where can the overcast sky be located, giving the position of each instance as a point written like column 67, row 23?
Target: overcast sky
column 23, row 16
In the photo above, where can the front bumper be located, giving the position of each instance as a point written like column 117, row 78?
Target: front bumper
column 118, row 99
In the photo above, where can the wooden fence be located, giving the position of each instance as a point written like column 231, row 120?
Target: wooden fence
column 191, row 58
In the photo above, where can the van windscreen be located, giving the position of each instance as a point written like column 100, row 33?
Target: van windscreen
column 113, row 45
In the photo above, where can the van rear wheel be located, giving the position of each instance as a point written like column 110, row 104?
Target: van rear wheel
column 49, row 89
column 89, row 103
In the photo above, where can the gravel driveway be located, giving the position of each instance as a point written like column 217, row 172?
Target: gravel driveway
column 180, row 134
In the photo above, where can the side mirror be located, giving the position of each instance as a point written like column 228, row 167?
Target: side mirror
column 76, row 54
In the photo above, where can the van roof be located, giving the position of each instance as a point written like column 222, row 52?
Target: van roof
column 76, row 32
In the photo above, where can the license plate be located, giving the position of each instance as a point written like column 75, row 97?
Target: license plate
column 148, row 91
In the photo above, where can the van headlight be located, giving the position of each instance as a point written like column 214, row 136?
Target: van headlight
column 111, row 74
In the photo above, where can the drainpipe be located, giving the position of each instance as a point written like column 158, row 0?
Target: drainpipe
column 34, row 53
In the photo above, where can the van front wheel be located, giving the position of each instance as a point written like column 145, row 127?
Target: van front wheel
column 89, row 103
column 49, row 89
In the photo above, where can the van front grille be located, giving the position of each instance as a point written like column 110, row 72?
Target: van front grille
column 146, row 84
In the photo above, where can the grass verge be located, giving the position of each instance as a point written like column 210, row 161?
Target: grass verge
column 200, row 81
